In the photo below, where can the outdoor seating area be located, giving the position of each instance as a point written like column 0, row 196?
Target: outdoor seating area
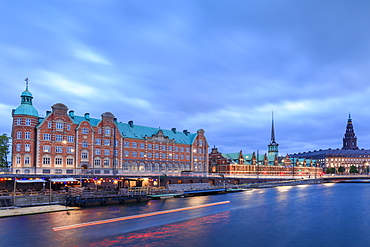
column 31, row 192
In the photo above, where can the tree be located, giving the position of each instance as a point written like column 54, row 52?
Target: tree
column 330, row 170
column 341, row 169
column 4, row 150
column 353, row 169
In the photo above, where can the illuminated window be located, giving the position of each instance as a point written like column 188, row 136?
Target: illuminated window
column 106, row 142
column 47, row 148
column 70, row 150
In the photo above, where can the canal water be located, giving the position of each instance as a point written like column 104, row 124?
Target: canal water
column 312, row 215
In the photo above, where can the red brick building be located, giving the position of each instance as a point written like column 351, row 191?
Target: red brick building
column 64, row 143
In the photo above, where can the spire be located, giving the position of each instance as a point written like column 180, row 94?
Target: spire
column 26, row 84
column 273, row 147
column 272, row 130
column 350, row 139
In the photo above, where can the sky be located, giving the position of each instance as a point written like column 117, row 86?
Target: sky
column 221, row 66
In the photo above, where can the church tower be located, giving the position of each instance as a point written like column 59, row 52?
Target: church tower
column 350, row 139
column 273, row 147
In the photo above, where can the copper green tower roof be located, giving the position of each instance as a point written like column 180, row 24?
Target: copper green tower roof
column 26, row 107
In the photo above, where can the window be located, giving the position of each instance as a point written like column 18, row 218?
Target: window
column 46, row 171
column 59, row 125
column 163, row 155
column 58, row 149
column 134, row 154
column 27, row 160
column 47, row 137
column 28, row 121
column 27, row 147
column 69, row 161
column 106, row 162
column 176, row 157
column 181, row 156
column 68, row 127
column 187, row 150
column 46, row 160
column 99, row 131
column 107, row 131
column 115, row 152
column 106, row 142
column 70, row 150
column 181, row 149
column 142, row 145
column 97, row 151
column 18, row 147
column 169, row 148
column 69, row 171
column 18, row 160
column 18, row 121
column 49, row 125
column 176, row 148
column 126, row 144
column 126, row 153
column 156, row 155
column 156, row 146
column 106, row 152
column 163, row 147
column 134, row 145
column 70, row 138
column 116, row 143
column 97, row 141
column 84, row 155
column 187, row 157
column 47, row 148
column 58, row 171
column 97, row 162
column 58, row 138
column 149, row 155
column 58, row 161
column 28, row 135
column 142, row 154
column 150, row 146
column 19, row 135
column 85, row 131
column 200, row 142
column 85, row 144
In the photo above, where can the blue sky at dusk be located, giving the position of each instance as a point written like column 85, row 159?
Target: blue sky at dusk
column 222, row 66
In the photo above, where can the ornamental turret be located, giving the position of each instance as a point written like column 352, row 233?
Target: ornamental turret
column 273, row 147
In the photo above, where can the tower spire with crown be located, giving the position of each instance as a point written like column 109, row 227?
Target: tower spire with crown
column 350, row 139
column 273, row 147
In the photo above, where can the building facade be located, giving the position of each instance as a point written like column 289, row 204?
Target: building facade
column 267, row 164
column 64, row 143
column 341, row 159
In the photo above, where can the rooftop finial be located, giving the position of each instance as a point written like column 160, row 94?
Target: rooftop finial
column 349, row 117
column 26, row 80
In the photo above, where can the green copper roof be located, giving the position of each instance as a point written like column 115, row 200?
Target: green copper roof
column 26, row 93
column 141, row 132
column 129, row 130
column 26, row 109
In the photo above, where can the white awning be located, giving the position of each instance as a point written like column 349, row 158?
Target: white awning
column 63, row 180
column 31, row 181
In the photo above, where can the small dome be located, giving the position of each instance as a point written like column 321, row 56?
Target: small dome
column 26, row 93
column 59, row 106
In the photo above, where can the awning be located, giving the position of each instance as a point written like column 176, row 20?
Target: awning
column 31, row 181
column 63, row 180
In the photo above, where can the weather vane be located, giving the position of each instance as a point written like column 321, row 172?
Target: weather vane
column 26, row 82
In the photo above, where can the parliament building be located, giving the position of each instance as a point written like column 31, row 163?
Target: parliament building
column 64, row 143
column 341, row 159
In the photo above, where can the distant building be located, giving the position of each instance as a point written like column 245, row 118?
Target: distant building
column 349, row 155
column 266, row 164
column 64, row 143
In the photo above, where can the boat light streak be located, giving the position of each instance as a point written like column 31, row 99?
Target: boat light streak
column 61, row 228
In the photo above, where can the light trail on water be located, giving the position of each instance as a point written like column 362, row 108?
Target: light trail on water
column 61, row 228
